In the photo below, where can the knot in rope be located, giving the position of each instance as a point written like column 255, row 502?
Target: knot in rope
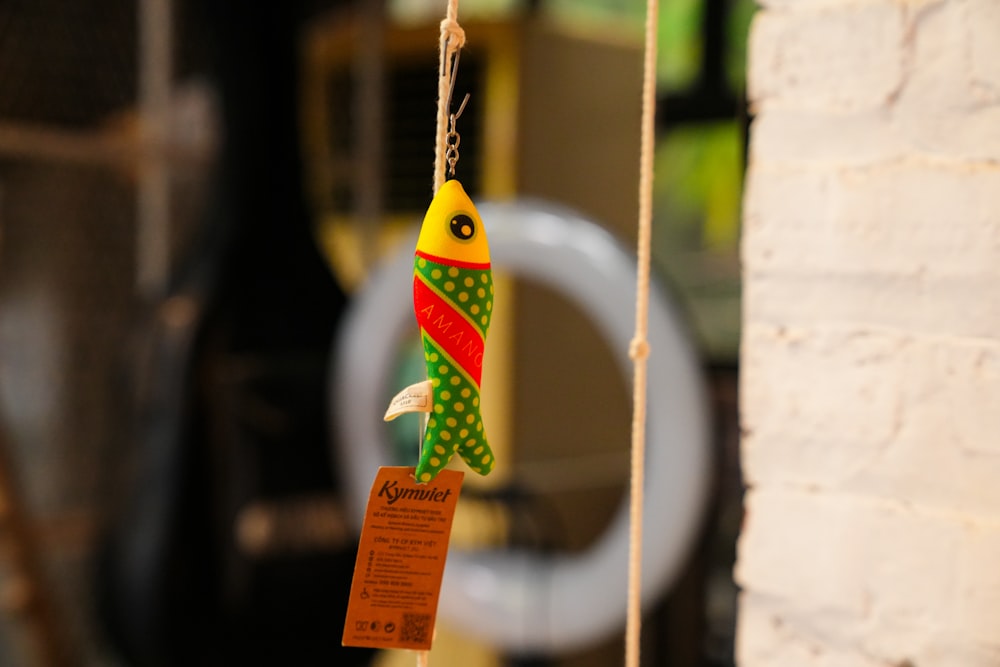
column 452, row 34
column 638, row 349
column 451, row 43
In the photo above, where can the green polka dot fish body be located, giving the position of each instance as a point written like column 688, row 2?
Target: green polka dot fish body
column 453, row 307
column 453, row 302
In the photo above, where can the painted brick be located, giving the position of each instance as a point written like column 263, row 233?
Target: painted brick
column 876, row 580
column 839, row 220
column 799, row 57
column 771, row 634
column 775, row 632
column 822, row 431
column 942, row 101
column 971, row 134
column 810, row 432
column 855, row 557
column 870, row 365
column 812, row 137
column 897, row 417
column 818, row 246
column 978, row 585
column 940, row 108
column 981, row 21
column 947, row 306
column 936, row 76
column 817, row 138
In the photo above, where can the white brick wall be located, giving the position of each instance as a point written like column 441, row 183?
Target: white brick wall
column 871, row 351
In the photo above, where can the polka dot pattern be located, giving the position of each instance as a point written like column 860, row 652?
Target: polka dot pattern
column 469, row 291
column 456, row 425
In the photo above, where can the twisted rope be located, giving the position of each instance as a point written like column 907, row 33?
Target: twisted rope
column 639, row 348
column 451, row 42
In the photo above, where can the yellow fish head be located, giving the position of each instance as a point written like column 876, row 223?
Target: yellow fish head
column 452, row 229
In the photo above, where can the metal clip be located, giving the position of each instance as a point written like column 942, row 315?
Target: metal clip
column 453, row 139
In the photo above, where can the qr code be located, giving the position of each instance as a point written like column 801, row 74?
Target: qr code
column 416, row 628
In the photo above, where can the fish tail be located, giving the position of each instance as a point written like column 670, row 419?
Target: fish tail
column 455, row 423
column 478, row 455
column 451, row 432
column 436, row 451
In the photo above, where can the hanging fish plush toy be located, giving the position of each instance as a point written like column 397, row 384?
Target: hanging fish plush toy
column 453, row 302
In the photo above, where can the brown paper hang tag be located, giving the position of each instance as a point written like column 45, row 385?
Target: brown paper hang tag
column 401, row 557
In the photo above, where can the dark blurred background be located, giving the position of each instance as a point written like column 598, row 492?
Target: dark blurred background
column 191, row 193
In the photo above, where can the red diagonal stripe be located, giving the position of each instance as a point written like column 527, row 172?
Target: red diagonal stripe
column 479, row 266
column 449, row 329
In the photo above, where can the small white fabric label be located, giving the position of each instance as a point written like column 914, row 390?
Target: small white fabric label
column 417, row 397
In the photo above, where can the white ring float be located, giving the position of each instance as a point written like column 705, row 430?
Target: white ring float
column 517, row 600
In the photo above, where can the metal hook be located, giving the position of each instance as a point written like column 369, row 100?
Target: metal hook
column 461, row 107
column 452, row 138
column 452, row 77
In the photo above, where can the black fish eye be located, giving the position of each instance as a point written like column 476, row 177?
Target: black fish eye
column 463, row 227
